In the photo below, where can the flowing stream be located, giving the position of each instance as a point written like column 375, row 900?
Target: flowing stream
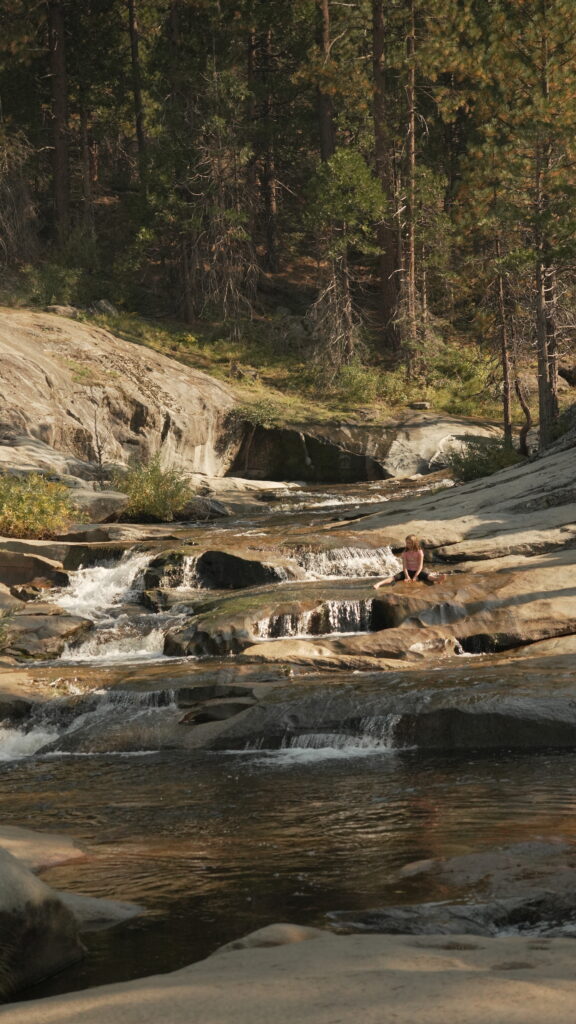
column 215, row 844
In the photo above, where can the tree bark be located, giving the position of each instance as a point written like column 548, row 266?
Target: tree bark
column 59, row 86
column 137, row 94
column 504, row 352
column 325, row 105
column 410, row 253
column 387, row 233
column 269, row 182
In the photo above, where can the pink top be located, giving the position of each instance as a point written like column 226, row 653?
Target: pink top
column 413, row 559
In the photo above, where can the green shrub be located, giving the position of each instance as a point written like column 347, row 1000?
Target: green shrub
column 32, row 506
column 155, row 494
column 481, row 456
column 358, row 383
column 262, row 412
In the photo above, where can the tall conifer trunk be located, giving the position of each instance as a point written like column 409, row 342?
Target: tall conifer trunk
column 410, row 252
column 269, row 181
column 137, row 93
column 325, row 105
column 504, row 352
column 387, row 234
column 59, row 88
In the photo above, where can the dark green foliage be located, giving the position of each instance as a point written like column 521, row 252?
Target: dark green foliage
column 481, row 457
column 180, row 173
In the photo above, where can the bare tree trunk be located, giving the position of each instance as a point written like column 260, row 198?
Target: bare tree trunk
column 527, row 415
column 387, row 233
column 504, row 353
column 410, row 254
column 59, row 85
column 137, row 93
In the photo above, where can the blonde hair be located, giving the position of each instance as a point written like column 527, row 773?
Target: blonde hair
column 412, row 542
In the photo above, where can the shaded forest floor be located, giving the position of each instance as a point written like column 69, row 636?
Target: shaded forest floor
column 271, row 361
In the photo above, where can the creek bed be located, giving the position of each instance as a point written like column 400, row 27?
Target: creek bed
column 215, row 845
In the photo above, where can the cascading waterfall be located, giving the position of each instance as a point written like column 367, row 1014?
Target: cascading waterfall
column 329, row 617
column 351, row 562
column 94, row 591
column 98, row 593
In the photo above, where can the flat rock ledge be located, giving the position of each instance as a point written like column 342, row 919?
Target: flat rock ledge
column 432, row 979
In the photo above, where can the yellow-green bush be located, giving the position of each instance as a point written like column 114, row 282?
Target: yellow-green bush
column 32, row 506
column 155, row 494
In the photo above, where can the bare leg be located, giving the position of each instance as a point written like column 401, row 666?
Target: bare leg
column 384, row 583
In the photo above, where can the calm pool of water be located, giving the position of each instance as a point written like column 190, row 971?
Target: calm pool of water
column 215, row 845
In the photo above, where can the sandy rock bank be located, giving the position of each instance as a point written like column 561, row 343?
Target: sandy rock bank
column 342, row 980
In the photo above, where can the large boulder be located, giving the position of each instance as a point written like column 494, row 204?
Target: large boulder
column 41, row 631
column 75, row 397
column 17, row 567
column 38, row 934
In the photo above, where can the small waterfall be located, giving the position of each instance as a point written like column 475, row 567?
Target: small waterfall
column 118, row 640
column 369, row 735
column 128, row 701
column 190, row 579
column 98, row 593
column 120, row 719
column 93, row 592
column 329, row 617
column 352, row 562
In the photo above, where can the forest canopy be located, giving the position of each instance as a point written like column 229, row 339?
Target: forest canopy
column 401, row 173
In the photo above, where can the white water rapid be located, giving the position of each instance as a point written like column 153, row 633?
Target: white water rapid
column 350, row 562
column 330, row 617
column 98, row 593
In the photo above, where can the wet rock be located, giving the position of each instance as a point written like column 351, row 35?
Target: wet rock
column 219, row 711
column 42, row 631
column 94, row 914
column 515, row 703
column 214, row 570
column 16, row 568
column 38, row 934
column 188, row 696
column 203, row 508
column 222, row 570
column 517, row 869
column 545, row 913
column 226, row 625
column 13, row 709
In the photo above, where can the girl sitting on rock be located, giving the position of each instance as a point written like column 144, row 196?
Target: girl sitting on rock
column 412, row 566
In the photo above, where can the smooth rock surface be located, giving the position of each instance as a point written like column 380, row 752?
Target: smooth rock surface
column 65, row 385
column 341, row 980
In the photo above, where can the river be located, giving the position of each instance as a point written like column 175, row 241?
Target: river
column 213, row 845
